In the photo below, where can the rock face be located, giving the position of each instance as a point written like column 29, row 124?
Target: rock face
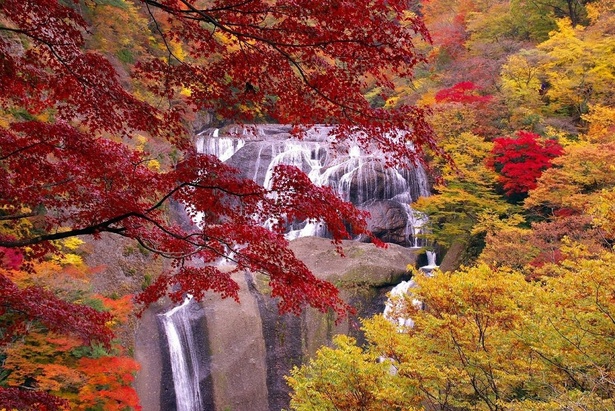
column 250, row 347
column 389, row 221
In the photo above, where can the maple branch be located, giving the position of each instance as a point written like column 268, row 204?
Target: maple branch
column 19, row 31
column 560, row 367
column 12, row 153
column 224, row 190
column 164, row 39
column 93, row 229
column 275, row 45
column 18, row 216
column 108, row 225
column 204, row 16
column 602, row 309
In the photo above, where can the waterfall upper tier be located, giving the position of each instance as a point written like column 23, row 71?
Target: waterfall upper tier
column 357, row 176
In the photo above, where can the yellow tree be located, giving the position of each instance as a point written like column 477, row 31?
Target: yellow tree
column 522, row 87
column 466, row 193
column 579, row 67
column 345, row 378
column 490, row 340
column 582, row 172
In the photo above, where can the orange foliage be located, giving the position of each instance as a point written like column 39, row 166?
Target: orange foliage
column 121, row 308
column 108, row 383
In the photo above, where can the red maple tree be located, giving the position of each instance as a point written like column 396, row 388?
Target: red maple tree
column 66, row 170
column 464, row 92
column 521, row 160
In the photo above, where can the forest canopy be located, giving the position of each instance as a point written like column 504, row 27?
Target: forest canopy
column 98, row 110
column 521, row 315
column 509, row 104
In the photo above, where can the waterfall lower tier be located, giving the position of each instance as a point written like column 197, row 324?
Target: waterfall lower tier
column 178, row 325
column 395, row 309
column 431, row 263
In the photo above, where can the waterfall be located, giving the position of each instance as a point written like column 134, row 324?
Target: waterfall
column 355, row 176
column 396, row 303
column 221, row 147
column 431, row 263
column 431, row 259
column 415, row 227
column 183, row 352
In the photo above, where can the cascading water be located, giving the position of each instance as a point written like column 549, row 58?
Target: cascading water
column 356, row 176
column 396, row 304
column 183, row 352
column 223, row 148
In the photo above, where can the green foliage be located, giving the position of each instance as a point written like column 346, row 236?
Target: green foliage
column 147, row 281
column 125, row 56
column 467, row 194
column 94, row 350
column 95, row 303
column 114, row 3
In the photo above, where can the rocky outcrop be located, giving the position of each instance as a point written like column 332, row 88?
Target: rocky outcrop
column 251, row 346
column 388, row 221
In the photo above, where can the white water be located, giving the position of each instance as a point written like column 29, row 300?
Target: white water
column 396, row 305
column 415, row 227
column 183, row 353
column 431, row 263
column 355, row 176
column 221, row 147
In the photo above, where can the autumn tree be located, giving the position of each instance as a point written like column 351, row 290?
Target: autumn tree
column 86, row 376
column 465, row 202
column 521, row 160
column 487, row 340
column 526, row 249
column 67, row 167
column 358, row 381
column 575, row 178
column 52, row 357
column 578, row 66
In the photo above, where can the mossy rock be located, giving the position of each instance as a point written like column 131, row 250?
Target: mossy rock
column 362, row 263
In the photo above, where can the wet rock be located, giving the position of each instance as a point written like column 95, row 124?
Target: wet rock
column 251, row 346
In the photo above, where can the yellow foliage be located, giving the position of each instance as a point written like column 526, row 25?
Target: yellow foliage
column 562, row 137
column 177, row 50
column 601, row 128
column 72, row 243
column 153, row 165
column 576, row 178
column 487, row 340
column 69, row 259
column 391, row 102
column 231, row 43
column 599, row 9
column 579, row 67
column 520, row 78
column 602, row 209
